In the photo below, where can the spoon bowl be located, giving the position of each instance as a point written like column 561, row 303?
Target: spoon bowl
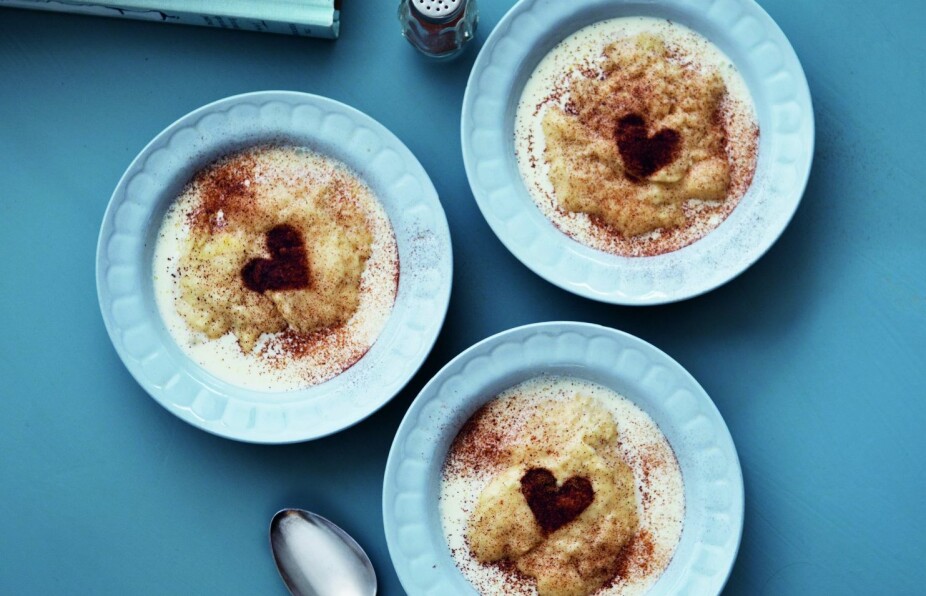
column 317, row 558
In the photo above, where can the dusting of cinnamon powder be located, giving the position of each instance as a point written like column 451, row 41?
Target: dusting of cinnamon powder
column 561, row 486
column 287, row 252
column 645, row 148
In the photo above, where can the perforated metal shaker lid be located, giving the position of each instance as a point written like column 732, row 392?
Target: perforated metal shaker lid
column 437, row 11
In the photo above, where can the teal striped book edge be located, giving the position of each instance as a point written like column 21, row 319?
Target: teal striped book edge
column 310, row 18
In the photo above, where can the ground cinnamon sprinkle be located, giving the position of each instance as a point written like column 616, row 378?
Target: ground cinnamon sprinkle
column 515, row 582
column 636, row 559
column 326, row 345
column 479, row 453
column 552, row 506
column 477, row 447
column 224, row 188
column 226, row 197
column 735, row 121
column 644, row 154
column 287, row 269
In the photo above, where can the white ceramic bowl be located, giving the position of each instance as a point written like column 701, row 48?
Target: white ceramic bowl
column 645, row 375
column 155, row 178
column 767, row 62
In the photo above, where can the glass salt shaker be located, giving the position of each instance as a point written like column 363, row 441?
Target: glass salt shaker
column 439, row 29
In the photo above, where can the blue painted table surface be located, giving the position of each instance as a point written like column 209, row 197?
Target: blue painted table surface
column 815, row 356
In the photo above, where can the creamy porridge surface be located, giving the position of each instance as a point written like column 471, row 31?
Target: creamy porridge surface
column 636, row 136
column 561, row 486
column 276, row 268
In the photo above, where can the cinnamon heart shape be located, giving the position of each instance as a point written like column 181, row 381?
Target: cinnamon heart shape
column 552, row 506
column 643, row 154
column 286, row 269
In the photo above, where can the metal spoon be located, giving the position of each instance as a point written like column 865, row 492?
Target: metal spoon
column 317, row 558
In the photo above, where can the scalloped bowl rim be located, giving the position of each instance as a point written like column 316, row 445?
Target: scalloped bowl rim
column 134, row 214
column 755, row 43
column 638, row 370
